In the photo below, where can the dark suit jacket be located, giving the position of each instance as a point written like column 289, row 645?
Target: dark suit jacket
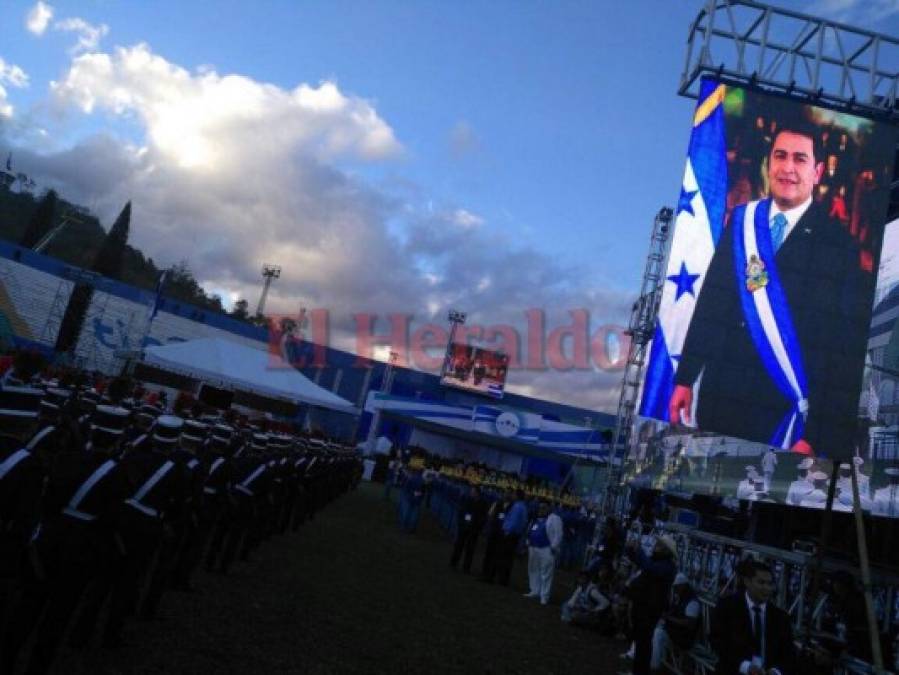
column 829, row 298
column 732, row 640
column 476, row 509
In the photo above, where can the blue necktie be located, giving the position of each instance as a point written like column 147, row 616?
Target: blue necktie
column 778, row 228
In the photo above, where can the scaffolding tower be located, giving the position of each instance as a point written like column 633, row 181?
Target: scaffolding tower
column 70, row 279
column 640, row 330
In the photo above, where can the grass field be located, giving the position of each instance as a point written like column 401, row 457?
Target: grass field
column 349, row 593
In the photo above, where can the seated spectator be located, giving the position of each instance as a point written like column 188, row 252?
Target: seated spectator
column 679, row 624
column 588, row 606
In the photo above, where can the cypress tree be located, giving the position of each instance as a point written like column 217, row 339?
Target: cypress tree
column 112, row 252
column 107, row 263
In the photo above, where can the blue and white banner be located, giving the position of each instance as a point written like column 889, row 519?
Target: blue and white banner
column 698, row 225
column 511, row 424
column 157, row 299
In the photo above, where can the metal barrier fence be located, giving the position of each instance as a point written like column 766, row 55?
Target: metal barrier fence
column 710, row 561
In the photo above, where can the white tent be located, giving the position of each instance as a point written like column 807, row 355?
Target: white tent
column 231, row 365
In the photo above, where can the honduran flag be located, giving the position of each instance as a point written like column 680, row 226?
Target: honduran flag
column 157, row 297
column 698, row 224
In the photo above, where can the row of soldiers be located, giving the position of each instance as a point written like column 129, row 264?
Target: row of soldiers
column 104, row 505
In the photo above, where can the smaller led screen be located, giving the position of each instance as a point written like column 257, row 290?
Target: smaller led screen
column 482, row 371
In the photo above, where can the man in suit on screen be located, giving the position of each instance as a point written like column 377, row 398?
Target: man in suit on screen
column 776, row 345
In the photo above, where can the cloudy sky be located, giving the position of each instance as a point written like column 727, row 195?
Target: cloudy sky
column 405, row 157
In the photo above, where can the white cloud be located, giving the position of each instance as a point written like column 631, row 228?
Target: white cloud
column 38, row 18
column 466, row 219
column 6, row 109
column 228, row 172
column 862, row 12
column 12, row 75
column 89, row 35
column 206, row 120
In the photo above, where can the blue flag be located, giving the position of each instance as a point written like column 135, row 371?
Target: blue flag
column 157, row 301
column 698, row 225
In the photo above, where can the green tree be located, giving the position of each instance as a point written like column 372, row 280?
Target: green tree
column 41, row 221
column 241, row 310
column 112, row 252
column 108, row 262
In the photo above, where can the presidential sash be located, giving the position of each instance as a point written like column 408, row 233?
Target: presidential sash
column 767, row 315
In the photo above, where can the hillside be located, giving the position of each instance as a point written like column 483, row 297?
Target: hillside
column 78, row 243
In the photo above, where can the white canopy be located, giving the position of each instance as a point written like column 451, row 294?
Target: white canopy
column 231, row 365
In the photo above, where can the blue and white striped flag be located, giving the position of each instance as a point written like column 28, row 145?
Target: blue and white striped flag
column 698, row 225
column 157, row 300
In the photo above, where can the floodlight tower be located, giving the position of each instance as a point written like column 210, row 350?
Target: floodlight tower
column 269, row 272
column 456, row 319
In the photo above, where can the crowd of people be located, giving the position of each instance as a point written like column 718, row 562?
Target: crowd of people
column 110, row 498
column 108, row 501
column 629, row 584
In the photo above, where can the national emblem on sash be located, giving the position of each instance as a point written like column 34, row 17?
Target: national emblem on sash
column 756, row 274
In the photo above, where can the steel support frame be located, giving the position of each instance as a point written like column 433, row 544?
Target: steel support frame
column 640, row 330
column 826, row 62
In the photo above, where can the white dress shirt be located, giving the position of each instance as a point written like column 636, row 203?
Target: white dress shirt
column 792, row 215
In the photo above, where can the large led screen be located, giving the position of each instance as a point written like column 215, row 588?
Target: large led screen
column 482, row 371
column 768, row 292
column 672, row 459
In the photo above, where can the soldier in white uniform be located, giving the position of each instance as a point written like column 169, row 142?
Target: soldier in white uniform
column 803, row 485
column 886, row 499
column 817, row 498
column 843, row 500
column 752, row 487
column 769, row 464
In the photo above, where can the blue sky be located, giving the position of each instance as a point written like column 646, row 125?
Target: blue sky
column 551, row 128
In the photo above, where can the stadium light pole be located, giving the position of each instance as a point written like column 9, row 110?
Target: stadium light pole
column 269, row 272
column 456, row 319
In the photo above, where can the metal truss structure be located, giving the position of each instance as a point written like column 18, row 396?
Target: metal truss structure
column 710, row 562
column 640, row 330
column 799, row 55
column 71, row 277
